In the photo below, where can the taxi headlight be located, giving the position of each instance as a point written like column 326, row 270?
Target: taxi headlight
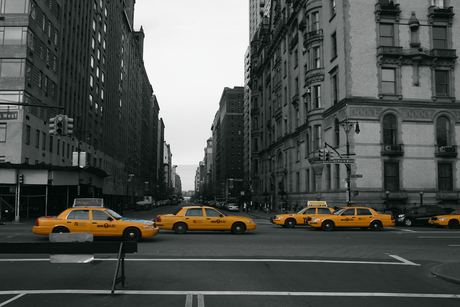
column 148, row 227
column 315, row 219
column 280, row 217
column 250, row 222
column 442, row 219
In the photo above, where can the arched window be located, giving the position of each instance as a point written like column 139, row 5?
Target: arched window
column 337, row 132
column 443, row 136
column 390, row 130
column 279, row 160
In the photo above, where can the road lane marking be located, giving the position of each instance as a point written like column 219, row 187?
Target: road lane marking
column 12, row 299
column 402, row 260
column 229, row 293
column 438, row 237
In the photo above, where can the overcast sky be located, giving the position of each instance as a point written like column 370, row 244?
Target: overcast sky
column 192, row 50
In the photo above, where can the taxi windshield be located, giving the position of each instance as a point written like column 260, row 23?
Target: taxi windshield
column 113, row 214
column 339, row 211
column 300, row 212
column 456, row 212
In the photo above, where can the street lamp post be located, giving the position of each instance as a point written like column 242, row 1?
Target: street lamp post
column 388, row 198
column 349, row 126
column 421, row 198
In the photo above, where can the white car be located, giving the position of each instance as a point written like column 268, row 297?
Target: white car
column 233, row 207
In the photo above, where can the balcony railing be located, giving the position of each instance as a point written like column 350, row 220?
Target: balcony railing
column 444, row 53
column 389, row 50
column 446, row 151
column 441, row 12
column 392, row 150
column 312, row 36
column 394, row 195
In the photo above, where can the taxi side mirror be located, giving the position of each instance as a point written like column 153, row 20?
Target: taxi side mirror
column 221, row 215
column 110, row 218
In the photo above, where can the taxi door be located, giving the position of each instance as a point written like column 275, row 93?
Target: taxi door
column 78, row 221
column 347, row 218
column 214, row 220
column 364, row 217
column 195, row 219
column 103, row 224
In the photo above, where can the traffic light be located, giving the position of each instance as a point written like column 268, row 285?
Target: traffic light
column 60, row 125
column 69, row 125
column 328, row 155
column 322, row 154
column 52, row 125
column 21, row 178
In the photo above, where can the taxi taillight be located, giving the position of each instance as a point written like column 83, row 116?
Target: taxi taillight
column 37, row 223
column 158, row 219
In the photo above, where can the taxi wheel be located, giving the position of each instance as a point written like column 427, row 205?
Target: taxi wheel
column 60, row 229
column 376, row 225
column 453, row 224
column 238, row 228
column 180, row 228
column 327, row 225
column 132, row 234
column 290, row 223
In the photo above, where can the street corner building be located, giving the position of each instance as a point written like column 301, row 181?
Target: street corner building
column 353, row 102
column 78, row 116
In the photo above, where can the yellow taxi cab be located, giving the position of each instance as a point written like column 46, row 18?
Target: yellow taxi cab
column 362, row 217
column 204, row 218
column 290, row 220
column 90, row 215
column 450, row 220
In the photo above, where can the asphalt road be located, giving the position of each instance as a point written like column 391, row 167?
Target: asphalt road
column 271, row 266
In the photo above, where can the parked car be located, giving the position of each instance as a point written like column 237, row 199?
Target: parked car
column 232, row 207
column 204, row 218
column 91, row 216
column 419, row 215
column 451, row 220
column 361, row 217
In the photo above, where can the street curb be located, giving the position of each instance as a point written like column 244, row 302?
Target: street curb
column 443, row 276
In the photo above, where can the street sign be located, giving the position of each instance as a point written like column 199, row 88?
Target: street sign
column 347, row 161
column 356, row 176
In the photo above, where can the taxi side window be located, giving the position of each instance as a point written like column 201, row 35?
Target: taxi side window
column 194, row 212
column 364, row 212
column 78, row 215
column 324, row 211
column 212, row 212
column 310, row 211
column 100, row 216
column 349, row 212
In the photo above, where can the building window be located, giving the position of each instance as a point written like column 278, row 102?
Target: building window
column 438, row 3
column 390, row 130
column 27, row 135
column 37, row 138
column 2, row 132
column 443, row 134
column 387, row 34
column 316, row 58
column 337, row 176
column 307, row 146
column 297, row 181
column 58, row 145
column 333, row 8
column 13, row 35
column 389, row 81
column 314, row 22
column 445, row 176
column 307, row 180
column 333, row 45
column 391, row 176
column 335, row 88
column 317, row 142
column 316, row 96
column 43, row 141
column 441, row 82
column 439, row 37
column 12, row 67
column 14, row 6
column 328, row 177
column 337, row 133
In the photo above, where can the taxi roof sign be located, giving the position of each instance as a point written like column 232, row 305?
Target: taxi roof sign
column 88, row 202
column 317, row 203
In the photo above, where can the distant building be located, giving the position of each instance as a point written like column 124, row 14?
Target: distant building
column 227, row 145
